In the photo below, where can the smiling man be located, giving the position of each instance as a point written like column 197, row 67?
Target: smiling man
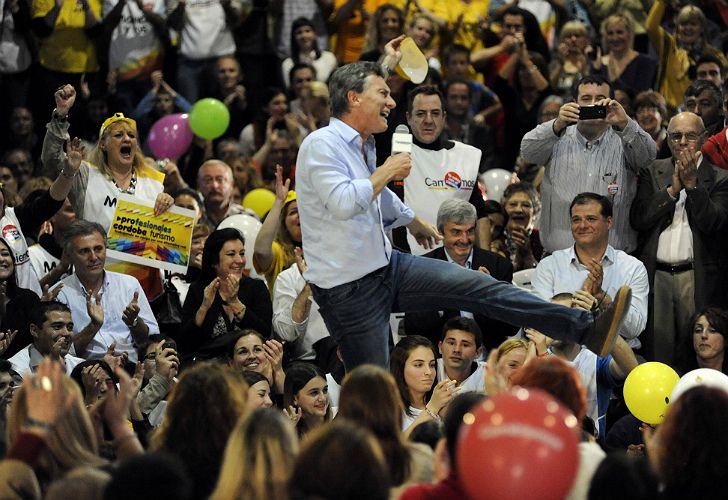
column 456, row 222
column 51, row 327
column 441, row 169
column 594, row 266
column 106, row 307
column 600, row 155
column 356, row 277
column 681, row 211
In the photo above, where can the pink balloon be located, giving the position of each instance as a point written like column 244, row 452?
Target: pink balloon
column 170, row 136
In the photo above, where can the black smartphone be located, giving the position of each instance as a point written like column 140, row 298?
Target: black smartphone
column 170, row 344
column 592, row 112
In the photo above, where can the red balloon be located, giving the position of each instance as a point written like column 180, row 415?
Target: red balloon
column 521, row 444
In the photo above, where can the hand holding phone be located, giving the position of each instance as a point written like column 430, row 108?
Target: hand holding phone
column 593, row 112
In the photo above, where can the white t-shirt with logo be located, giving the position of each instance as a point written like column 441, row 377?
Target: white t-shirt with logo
column 13, row 236
column 438, row 176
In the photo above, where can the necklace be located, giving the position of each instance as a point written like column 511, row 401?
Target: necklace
column 131, row 189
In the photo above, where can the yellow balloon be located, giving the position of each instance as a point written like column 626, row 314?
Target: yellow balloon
column 647, row 391
column 259, row 201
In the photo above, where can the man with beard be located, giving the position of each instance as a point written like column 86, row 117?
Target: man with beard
column 215, row 182
column 51, row 327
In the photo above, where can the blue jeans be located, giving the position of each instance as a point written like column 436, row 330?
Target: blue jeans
column 357, row 313
column 190, row 75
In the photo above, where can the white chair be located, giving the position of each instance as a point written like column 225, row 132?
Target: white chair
column 522, row 279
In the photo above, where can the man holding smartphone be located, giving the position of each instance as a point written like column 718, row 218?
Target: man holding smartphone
column 591, row 146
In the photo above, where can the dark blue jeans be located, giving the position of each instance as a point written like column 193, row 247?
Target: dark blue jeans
column 357, row 313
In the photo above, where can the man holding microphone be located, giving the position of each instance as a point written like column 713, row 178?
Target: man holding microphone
column 356, row 277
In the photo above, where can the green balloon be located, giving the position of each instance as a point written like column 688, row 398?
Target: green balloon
column 209, row 118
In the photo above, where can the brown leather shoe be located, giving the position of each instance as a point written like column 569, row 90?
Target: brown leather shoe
column 601, row 338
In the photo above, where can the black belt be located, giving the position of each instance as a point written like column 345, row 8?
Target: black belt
column 674, row 268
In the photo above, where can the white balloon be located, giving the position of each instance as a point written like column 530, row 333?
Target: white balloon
column 249, row 227
column 496, row 181
column 702, row 376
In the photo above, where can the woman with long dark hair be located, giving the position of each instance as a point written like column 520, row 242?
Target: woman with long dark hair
column 304, row 48
column 223, row 299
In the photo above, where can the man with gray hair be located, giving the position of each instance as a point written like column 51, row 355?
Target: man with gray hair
column 108, row 309
column 356, row 277
column 215, row 183
column 456, row 221
column 681, row 212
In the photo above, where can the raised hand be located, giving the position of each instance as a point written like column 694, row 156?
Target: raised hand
column 167, row 363
column 300, row 262
column 281, row 187
column 46, row 400
column 131, row 313
column 274, row 354
column 49, row 295
column 94, row 308
column 65, row 96
column 229, row 287
column 687, row 163
column 208, row 296
column 6, row 338
column 442, row 394
column 293, row 413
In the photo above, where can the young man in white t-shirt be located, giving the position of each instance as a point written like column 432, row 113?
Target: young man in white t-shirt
column 461, row 348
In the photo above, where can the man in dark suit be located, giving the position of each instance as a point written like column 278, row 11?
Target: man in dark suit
column 681, row 213
column 456, row 222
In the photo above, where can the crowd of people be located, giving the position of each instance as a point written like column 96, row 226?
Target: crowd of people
column 338, row 353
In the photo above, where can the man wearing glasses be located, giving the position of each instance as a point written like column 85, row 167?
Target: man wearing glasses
column 681, row 213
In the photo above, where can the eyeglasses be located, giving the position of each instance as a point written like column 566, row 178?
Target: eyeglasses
column 689, row 136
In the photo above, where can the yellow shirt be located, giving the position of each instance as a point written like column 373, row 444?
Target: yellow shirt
column 473, row 14
column 277, row 264
column 68, row 49
column 350, row 33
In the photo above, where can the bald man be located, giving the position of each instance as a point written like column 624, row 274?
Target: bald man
column 681, row 212
column 215, row 183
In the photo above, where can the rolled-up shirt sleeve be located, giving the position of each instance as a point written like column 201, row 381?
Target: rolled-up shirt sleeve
column 394, row 212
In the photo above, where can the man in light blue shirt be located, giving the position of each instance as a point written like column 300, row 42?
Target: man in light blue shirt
column 593, row 265
column 356, row 277
column 106, row 307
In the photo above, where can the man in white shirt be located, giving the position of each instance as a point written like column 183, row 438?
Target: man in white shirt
column 681, row 212
column 51, row 327
column 296, row 316
column 106, row 307
column 594, row 266
column 461, row 348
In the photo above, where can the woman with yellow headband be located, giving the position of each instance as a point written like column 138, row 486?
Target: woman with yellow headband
column 114, row 166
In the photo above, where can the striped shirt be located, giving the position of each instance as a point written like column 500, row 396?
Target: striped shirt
column 607, row 166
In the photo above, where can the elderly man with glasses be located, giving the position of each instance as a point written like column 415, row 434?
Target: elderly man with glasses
column 681, row 213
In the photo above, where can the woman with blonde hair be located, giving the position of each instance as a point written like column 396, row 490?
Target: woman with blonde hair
column 572, row 64
column 621, row 63
column 386, row 24
column 202, row 411
column 63, row 437
column 259, row 458
column 114, row 166
column 677, row 54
